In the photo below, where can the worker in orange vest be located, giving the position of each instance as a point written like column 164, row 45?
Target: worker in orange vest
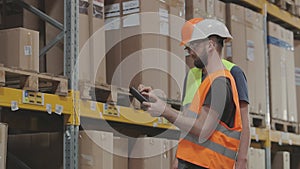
column 212, row 126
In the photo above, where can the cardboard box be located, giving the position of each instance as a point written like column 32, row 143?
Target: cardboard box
column 3, row 144
column 95, row 150
column 210, row 8
column 281, row 160
column 220, row 11
column 195, row 9
column 277, row 76
column 42, row 148
column 148, row 153
column 297, row 72
column 256, row 158
column 177, row 64
column 16, row 16
column 236, row 50
column 92, row 64
column 140, row 52
column 113, row 40
column 290, row 73
column 120, row 156
column 255, row 58
column 20, row 48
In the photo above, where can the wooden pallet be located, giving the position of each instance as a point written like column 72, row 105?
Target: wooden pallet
column 287, row 5
column 257, row 120
column 29, row 80
column 105, row 93
column 114, row 95
column 280, row 125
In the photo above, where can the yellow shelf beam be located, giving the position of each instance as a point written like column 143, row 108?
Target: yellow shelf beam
column 259, row 134
column 283, row 15
column 285, row 138
column 10, row 97
column 121, row 114
column 276, row 12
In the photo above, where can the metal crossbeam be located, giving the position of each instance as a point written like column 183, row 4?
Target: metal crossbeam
column 45, row 49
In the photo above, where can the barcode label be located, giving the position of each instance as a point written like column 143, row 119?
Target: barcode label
column 14, row 106
column 27, row 50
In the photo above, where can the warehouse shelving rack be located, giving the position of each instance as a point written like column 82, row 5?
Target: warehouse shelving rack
column 71, row 103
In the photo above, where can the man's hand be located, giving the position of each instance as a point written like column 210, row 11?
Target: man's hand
column 143, row 88
column 241, row 164
column 175, row 163
column 156, row 107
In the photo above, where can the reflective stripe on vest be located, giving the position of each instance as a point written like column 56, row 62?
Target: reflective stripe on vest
column 214, row 147
column 220, row 150
column 194, row 80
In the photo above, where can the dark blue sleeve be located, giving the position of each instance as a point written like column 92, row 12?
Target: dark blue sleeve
column 241, row 83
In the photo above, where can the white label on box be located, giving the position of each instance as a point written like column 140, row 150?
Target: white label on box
column 49, row 108
column 130, row 7
column 250, row 50
column 112, row 10
column 131, row 20
column 112, row 23
column 59, row 109
column 93, row 106
column 164, row 21
column 27, row 50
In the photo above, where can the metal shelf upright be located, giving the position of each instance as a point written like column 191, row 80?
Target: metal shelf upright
column 71, row 40
column 70, row 34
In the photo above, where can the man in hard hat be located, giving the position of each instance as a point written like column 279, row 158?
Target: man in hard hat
column 214, row 101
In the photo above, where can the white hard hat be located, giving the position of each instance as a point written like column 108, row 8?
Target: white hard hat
column 199, row 28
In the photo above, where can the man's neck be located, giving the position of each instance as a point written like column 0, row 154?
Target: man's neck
column 214, row 64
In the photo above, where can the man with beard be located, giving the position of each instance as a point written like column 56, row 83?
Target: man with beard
column 214, row 111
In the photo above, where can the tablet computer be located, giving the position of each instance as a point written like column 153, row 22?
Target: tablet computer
column 138, row 95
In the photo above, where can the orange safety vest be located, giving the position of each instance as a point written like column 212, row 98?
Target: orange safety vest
column 219, row 151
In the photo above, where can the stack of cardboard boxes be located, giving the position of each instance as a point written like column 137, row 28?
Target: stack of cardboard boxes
column 38, row 150
column 282, row 73
column 248, row 52
column 92, row 65
column 13, row 15
column 19, row 36
column 140, row 39
column 102, row 150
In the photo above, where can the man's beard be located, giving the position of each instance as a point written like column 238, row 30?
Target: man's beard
column 201, row 60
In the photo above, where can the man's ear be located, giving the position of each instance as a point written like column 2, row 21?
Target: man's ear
column 211, row 45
